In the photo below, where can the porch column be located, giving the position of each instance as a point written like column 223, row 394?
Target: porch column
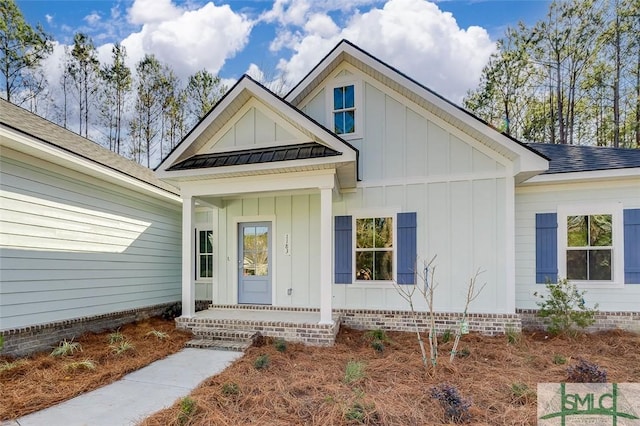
column 188, row 258
column 325, row 255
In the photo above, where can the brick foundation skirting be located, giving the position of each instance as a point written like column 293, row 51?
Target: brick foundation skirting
column 43, row 337
column 487, row 324
column 605, row 320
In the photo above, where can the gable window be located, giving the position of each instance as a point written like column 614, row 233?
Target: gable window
column 205, row 254
column 589, row 247
column 374, row 249
column 344, row 110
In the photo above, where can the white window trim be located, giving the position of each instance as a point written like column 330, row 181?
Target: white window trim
column 358, row 106
column 198, row 255
column 363, row 214
column 617, row 255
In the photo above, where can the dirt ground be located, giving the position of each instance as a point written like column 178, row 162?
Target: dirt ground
column 305, row 385
column 41, row 380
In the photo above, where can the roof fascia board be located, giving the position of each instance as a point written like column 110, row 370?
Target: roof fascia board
column 31, row 145
column 252, row 168
column 583, row 176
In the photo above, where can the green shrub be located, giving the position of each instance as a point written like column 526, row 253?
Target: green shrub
column 559, row 359
column 229, row 389
column 522, row 394
column 160, row 335
column 355, row 413
column 86, row 364
column 66, row 348
column 122, row 347
column 354, row 371
column 377, row 334
column 115, row 337
column 262, row 362
column 378, row 346
column 188, row 408
column 513, row 336
column 446, row 336
column 8, row 366
column 280, row 345
column 564, row 308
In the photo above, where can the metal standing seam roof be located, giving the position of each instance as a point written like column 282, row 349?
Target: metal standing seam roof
column 584, row 158
column 45, row 131
column 256, row 156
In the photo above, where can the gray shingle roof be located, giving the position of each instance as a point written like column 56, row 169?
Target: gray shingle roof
column 49, row 133
column 258, row 155
column 581, row 158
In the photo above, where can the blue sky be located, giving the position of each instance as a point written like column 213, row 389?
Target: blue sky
column 444, row 45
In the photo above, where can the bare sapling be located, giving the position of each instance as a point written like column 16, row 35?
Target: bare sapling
column 407, row 292
column 463, row 327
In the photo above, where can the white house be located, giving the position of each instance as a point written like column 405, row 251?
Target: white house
column 325, row 197
column 314, row 203
column 88, row 239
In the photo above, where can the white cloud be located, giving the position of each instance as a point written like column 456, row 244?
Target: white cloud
column 188, row 40
column 49, row 18
column 92, row 19
column 152, row 11
column 414, row 36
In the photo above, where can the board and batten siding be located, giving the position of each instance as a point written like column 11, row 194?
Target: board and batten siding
column 546, row 199
column 296, row 215
column 412, row 161
column 74, row 246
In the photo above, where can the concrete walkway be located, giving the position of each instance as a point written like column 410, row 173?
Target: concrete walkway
column 138, row 394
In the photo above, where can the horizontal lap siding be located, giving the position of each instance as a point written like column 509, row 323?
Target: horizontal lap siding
column 73, row 246
column 532, row 200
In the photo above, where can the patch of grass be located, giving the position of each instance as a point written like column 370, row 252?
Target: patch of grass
column 354, row 371
column 86, row 364
column 522, row 394
column 188, row 408
column 446, row 336
column 6, row 366
column 229, row 389
column 377, row 334
column 514, row 337
column 160, row 335
column 262, row 362
column 66, row 348
column 355, row 413
column 280, row 345
column 122, row 347
column 559, row 359
column 115, row 337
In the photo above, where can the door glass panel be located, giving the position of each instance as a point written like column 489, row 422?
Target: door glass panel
column 255, row 251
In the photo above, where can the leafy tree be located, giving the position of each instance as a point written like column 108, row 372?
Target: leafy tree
column 22, row 48
column 202, row 92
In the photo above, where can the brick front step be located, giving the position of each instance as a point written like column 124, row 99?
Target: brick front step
column 222, row 345
column 223, row 334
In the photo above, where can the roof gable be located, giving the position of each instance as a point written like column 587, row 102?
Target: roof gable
column 252, row 118
column 527, row 162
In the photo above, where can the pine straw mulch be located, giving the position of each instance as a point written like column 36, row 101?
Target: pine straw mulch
column 40, row 381
column 305, row 385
